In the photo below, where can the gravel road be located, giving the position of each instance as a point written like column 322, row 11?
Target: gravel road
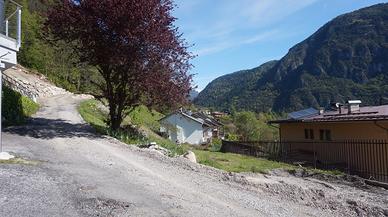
column 75, row 172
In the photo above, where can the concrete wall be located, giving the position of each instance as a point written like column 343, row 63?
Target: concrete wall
column 186, row 130
column 339, row 131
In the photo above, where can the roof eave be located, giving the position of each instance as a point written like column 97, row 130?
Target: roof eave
column 326, row 121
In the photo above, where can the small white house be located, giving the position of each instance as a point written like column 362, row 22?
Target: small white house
column 183, row 127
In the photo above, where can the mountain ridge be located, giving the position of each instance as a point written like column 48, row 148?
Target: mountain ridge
column 346, row 58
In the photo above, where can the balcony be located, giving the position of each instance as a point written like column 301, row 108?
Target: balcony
column 10, row 33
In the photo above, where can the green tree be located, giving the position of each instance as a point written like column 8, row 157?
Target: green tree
column 135, row 46
column 248, row 127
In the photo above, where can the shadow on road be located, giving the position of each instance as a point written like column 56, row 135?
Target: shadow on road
column 42, row 128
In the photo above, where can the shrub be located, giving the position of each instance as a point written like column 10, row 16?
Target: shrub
column 16, row 108
column 216, row 145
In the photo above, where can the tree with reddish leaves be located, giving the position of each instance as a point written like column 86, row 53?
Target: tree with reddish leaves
column 135, row 46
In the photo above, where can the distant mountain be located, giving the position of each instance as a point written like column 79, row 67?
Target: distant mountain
column 193, row 94
column 236, row 88
column 345, row 59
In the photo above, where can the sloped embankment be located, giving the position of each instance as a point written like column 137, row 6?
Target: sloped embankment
column 30, row 84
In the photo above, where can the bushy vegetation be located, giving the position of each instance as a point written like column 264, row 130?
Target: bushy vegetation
column 142, row 116
column 249, row 126
column 16, row 108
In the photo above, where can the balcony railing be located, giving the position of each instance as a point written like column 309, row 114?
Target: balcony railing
column 11, row 23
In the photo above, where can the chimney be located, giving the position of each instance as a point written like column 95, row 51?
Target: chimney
column 353, row 106
column 321, row 111
column 337, row 107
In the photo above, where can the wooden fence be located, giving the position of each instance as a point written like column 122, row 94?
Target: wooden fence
column 366, row 158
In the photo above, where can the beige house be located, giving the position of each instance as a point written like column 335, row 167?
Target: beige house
column 347, row 137
column 342, row 123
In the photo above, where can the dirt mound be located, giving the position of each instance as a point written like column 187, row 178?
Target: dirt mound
column 342, row 195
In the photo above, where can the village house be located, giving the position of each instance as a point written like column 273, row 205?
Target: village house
column 348, row 137
column 192, row 128
column 343, row 122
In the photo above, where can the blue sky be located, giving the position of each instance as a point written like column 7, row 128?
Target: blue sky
column 231, row 35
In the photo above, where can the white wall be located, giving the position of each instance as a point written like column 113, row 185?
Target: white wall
column 187, row 130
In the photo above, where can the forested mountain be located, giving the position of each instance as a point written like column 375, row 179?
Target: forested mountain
column 345, row 59
column 236, row 89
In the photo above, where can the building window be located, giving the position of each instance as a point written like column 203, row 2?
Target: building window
column 328, row 135
column 321, row 134
column 311, row 134
column 308, row 133
column 325, row 135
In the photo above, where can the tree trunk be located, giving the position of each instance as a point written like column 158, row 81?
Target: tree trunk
column 115, row 122
column 115, row 117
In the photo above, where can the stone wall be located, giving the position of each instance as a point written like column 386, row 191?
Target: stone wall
column 31, row 85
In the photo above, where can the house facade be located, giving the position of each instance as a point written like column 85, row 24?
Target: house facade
column 184, row 127
column 347, row 137
column 343, row 123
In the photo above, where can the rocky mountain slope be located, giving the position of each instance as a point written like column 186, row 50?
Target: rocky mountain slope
column 346, row 58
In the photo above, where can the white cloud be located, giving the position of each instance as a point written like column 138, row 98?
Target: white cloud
column 212, row 49
column 266, row 11
column 216, row 47
column 261, row 37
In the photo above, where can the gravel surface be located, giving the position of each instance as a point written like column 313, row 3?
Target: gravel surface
column 83, row 174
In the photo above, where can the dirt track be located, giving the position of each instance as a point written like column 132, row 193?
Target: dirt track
column 82, row 174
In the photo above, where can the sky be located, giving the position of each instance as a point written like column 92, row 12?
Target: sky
column 233, row 35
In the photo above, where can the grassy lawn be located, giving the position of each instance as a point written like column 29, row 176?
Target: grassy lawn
column 238, row 163
column 91, row 114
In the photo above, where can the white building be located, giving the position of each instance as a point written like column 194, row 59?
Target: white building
column 10, row 42
column 183, row 127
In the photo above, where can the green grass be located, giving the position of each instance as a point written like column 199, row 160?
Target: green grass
column 238, row 163
column 142, row 116
column 91, row 114
column 19, row 161
column 16, row 108
column 29, row 107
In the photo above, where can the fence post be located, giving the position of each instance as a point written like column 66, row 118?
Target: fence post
column 347, row 155
column 315, row 155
